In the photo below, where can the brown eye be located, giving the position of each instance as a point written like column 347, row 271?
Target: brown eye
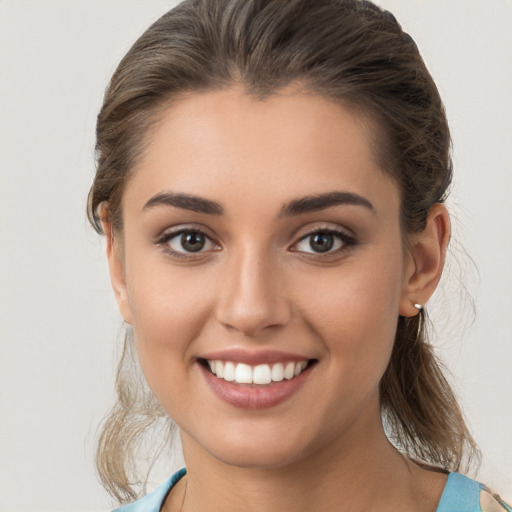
column 192, row 242
column 321, row 242
column 324, row 242
column 189, row 242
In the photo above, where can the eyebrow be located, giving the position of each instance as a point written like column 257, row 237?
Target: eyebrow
column 185, row 202
column 322, row 201
column 295, row 207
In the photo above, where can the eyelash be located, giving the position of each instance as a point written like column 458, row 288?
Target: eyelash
column 343, row 238
column 346, row 242
column 165, row 238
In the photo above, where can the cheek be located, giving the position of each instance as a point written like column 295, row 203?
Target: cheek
column 354, row 311
column 168, row 309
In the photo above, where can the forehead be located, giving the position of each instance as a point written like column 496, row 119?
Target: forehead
column 220, row 144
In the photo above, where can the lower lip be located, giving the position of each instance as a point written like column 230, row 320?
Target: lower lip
column 257, row 397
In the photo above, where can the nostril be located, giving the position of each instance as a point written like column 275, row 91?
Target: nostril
column 251, row 301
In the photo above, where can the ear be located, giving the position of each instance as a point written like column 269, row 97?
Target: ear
column 116, row 265
column 425, row 260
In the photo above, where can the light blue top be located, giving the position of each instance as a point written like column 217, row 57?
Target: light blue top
column 153, row 502
column 461, row 494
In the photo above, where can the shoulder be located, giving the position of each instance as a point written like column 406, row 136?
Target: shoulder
column 153, row 502
column 492, row 502
column 462, row 494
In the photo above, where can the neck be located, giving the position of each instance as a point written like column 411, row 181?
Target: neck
column 358, row 472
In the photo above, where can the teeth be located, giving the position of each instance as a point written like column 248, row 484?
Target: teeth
column 289, row 371
column 261, row 374
column 277, row 372
column 299, row 368
column 243, row 374
column 229, row 371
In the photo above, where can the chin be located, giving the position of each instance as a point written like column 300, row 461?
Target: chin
column 257, row 457
column 262, row 446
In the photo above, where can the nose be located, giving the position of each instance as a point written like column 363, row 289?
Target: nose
column 252, row 299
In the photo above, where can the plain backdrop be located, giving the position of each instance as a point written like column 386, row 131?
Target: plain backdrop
column 58, row 322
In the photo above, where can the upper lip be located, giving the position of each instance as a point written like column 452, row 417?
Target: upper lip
column 253, row 358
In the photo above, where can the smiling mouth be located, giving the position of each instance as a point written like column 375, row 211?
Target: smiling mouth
column 261, row 374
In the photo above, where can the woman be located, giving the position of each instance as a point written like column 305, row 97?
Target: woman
column 271, row 183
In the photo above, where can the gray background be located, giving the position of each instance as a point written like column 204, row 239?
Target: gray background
column 58, row 321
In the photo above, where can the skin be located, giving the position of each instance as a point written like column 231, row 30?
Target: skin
column 259, row 285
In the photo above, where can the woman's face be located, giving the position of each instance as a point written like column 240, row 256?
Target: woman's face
column 262, row 240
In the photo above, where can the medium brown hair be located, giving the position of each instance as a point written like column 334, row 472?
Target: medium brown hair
column 349, row 51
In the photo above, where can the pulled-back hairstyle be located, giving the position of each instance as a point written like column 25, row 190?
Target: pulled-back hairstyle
column 349, row 51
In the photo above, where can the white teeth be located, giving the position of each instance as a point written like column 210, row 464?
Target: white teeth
column 277, row 372
column 243, row 374
column 289, row 371
column 299, row 368
column 219, row 369
column 229, row 371
column 261, row 374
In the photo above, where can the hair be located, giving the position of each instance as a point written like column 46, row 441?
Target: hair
column 349, row 51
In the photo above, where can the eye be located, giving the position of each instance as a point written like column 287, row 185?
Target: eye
column 188, row 241
column 324, row 241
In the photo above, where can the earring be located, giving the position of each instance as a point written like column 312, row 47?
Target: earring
column 419, row 307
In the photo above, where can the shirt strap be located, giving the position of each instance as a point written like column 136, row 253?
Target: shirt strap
column 461, row 494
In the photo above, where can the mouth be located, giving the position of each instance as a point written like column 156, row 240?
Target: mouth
column 258, row 381
column 260, row 374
